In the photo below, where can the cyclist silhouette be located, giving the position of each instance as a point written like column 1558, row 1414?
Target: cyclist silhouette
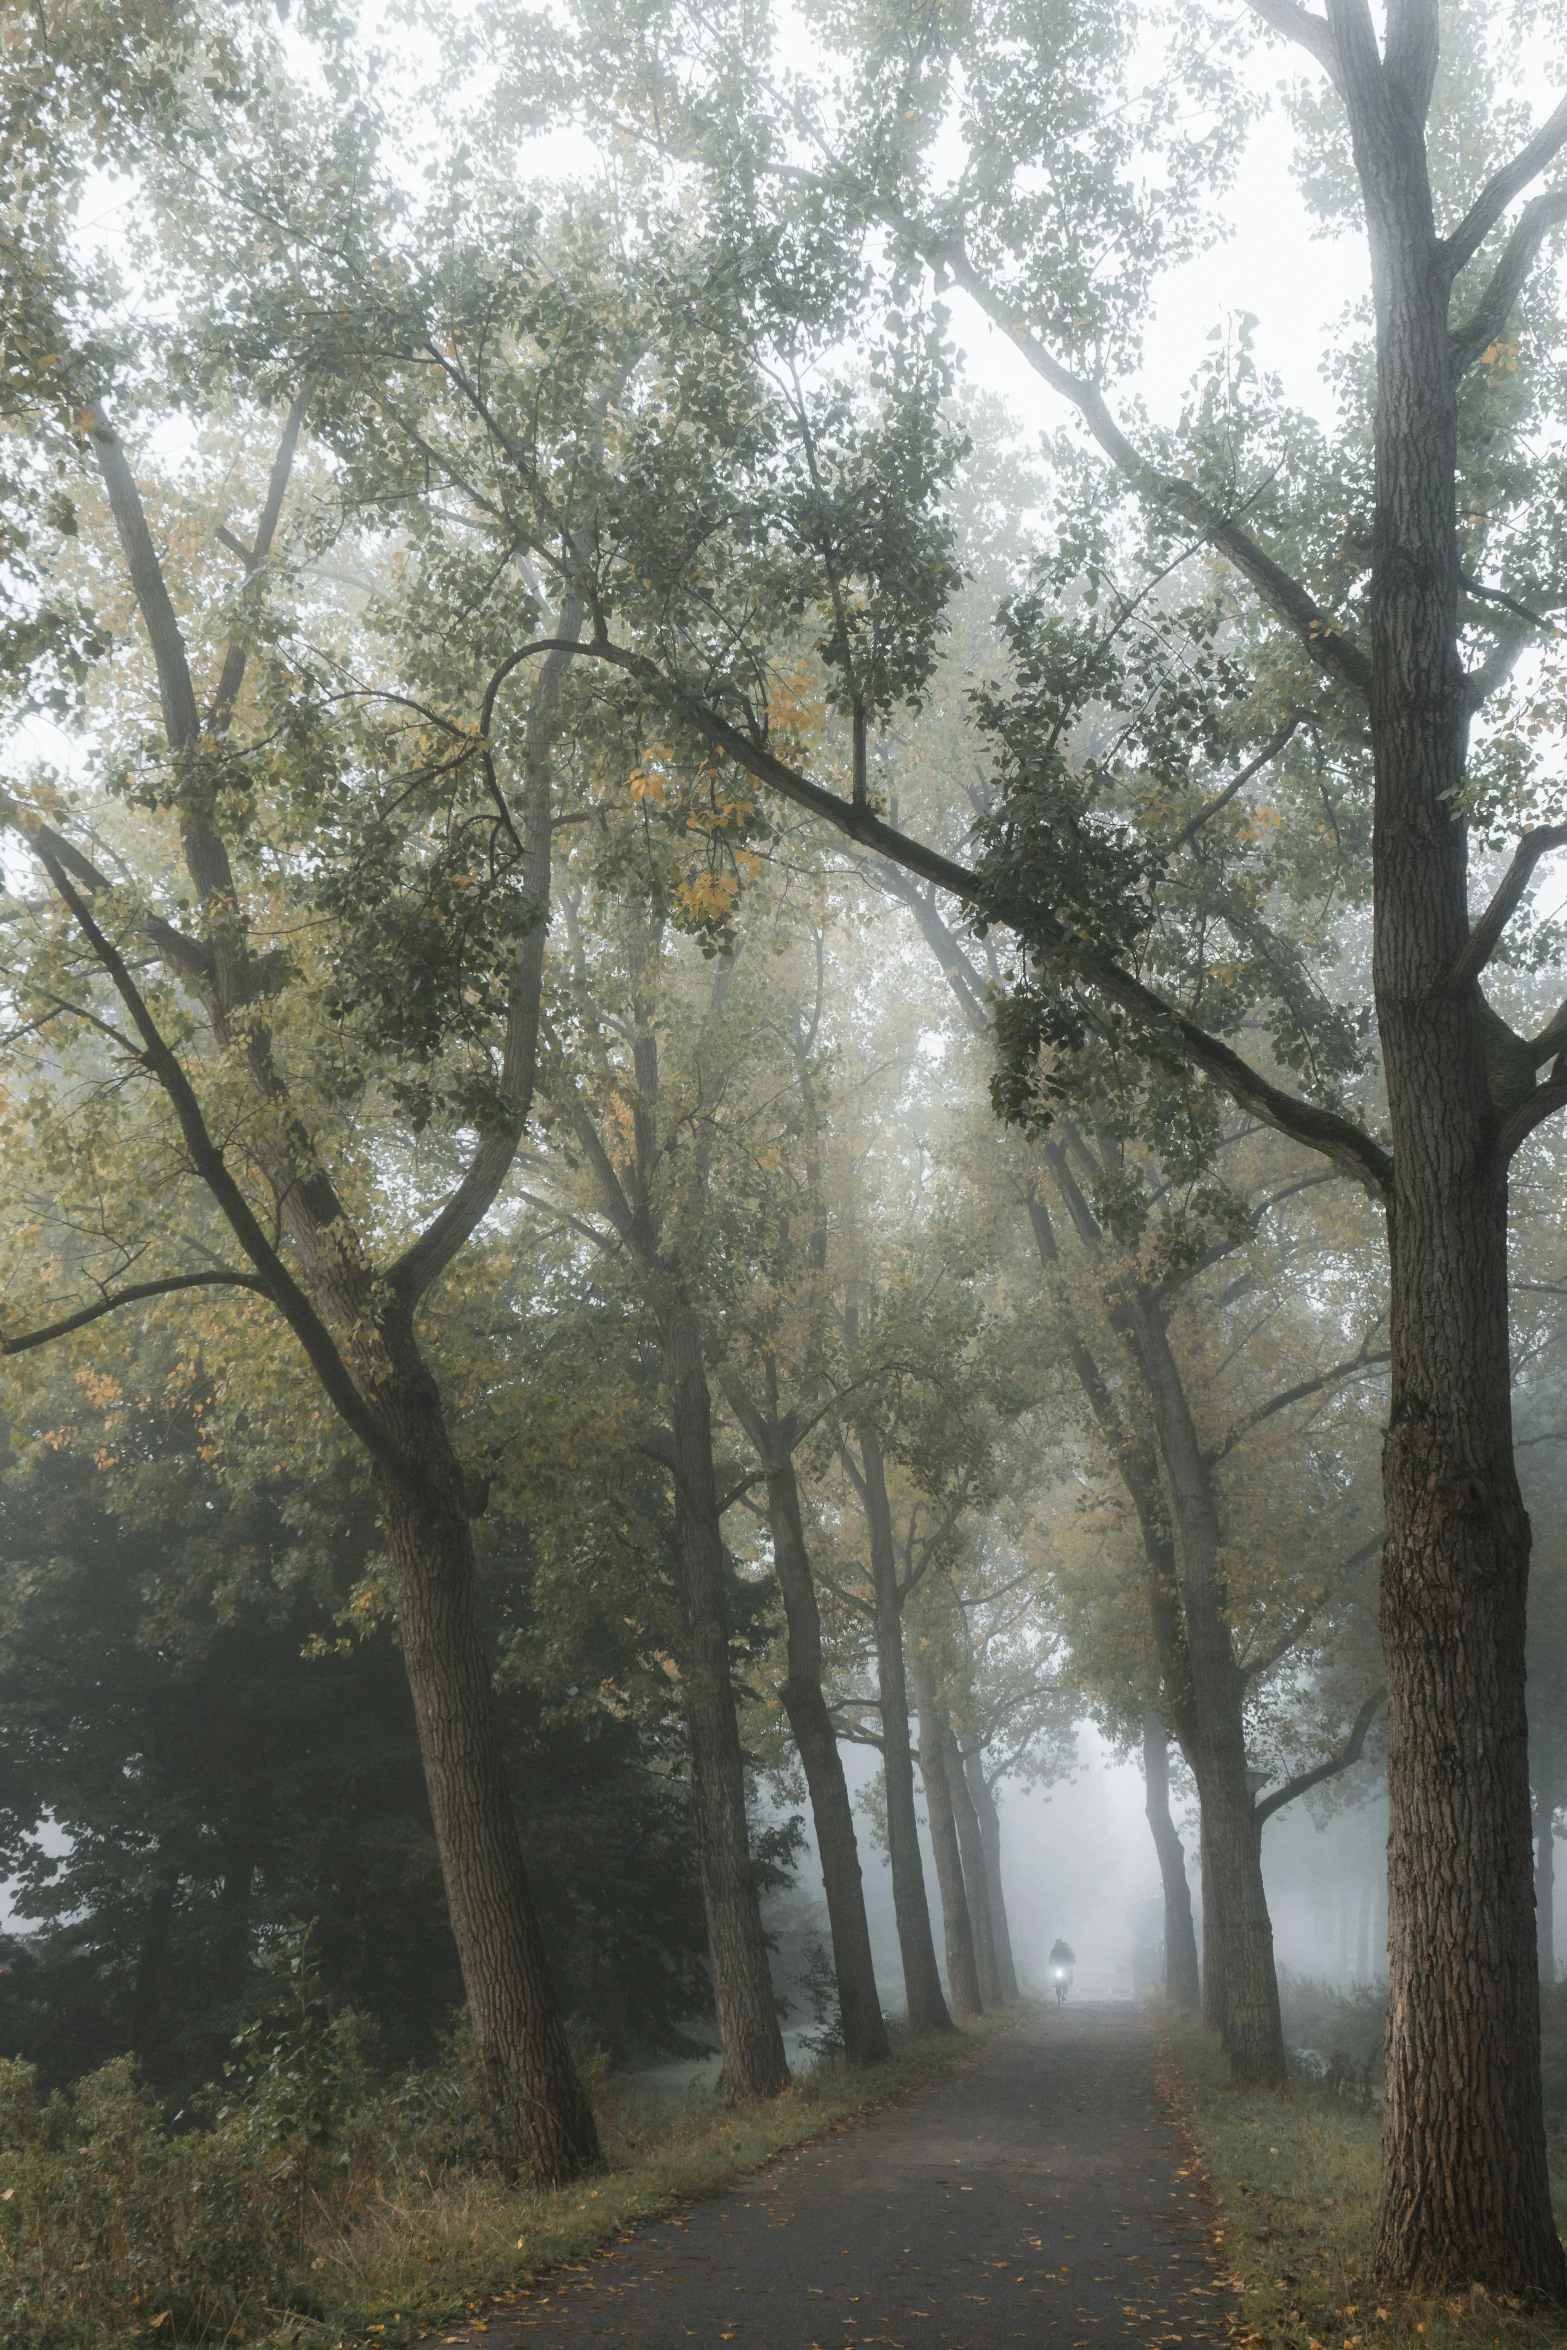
column 1062, row 1960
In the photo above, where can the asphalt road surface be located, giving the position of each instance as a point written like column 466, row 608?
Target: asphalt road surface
column 1034, row 2193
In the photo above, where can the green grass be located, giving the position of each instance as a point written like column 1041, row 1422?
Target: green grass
column 1294, row 2179
column 406, row 2254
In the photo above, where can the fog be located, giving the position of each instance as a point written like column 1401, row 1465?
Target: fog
column 1079, row 1862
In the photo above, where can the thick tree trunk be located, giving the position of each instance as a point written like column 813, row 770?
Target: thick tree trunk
column 1465, row 2192
column 927, row 2005
column 864, row 2028
column 753, row 2052
column 976, row 1877
column 1545, row 1801
column 1181, row 1985
column 962, row 1967
column 539, row 2115
column 984, row 1802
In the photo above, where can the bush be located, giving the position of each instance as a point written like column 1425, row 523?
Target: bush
column 1334, row 2037
column 110, row 2225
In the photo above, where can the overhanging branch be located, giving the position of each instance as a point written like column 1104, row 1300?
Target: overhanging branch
column 135, row 1294
column 1303, row 1782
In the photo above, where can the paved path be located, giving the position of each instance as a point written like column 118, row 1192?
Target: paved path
column 1035, row 2193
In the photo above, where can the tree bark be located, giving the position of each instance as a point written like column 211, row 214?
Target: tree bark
column 1465, row 2190
column 754, row 2064
column 983, row 1798
column 539, row 2115
column 1215, row 1993
column 975, row 1874
column 1238, row 1917
column 864, row 2027
column 927, row 2005
column 1181, row 1984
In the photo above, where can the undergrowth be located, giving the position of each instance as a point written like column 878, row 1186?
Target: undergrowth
column 1294, row 2179
column 305, row 2206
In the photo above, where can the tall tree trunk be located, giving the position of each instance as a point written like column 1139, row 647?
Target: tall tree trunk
column 962, row 1966
column 864, row 2028
column 976, row 1877
column 984, row 1801
column 927, row 2005
column 753, row 2052
column 1465, row 2190
column 539, row 2115
column 1235, row 1911
column 1204, row 1687
column 1181, row 1985
column 1547, row 1794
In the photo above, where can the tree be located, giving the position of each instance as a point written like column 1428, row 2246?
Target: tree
column 1371, row 610
column 642, row 1118
column 208, row 1741
column 165, row 952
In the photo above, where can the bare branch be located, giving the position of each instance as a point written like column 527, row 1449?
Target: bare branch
column 1490, row 314
column 1302, row 1784
column 134, row 1295
column 1486, row 935
column 181, row 719
column 1499, row 191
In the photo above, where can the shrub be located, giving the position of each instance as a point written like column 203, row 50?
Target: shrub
column 110, row 2225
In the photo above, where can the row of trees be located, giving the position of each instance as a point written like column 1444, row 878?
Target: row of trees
column 439, row 956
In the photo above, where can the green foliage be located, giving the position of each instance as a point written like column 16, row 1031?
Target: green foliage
column 114, row 2228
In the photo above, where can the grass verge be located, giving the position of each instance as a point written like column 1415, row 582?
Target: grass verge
column 431, row 2249
column 1294, row 2180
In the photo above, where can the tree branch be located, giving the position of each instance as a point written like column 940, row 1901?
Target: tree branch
column 1265, row 757
column 1367, row 1358
column 232, row 675
column 1324, row 641
column 1308, row 1616
column 209, row 1163
column 1486, row 935
column 426, row 1258
column 1312, row 33
column 1336, row 1137
column 1543, row 1103
column 1499, row 191
column 188, row 956
column 1489, row 315
column 134, row 1295
column 1304, row 1781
